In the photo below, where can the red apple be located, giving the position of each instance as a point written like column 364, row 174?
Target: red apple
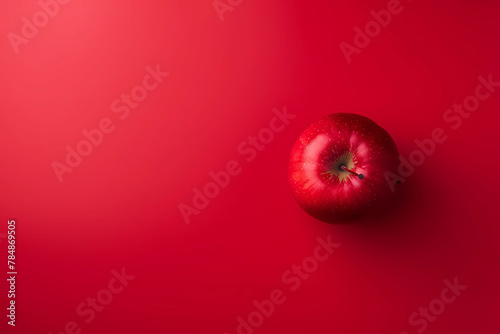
column 338, row 165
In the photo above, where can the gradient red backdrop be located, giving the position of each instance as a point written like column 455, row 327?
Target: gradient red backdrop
column 120, row 207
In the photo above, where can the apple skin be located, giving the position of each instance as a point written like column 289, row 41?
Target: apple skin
column 320, row 185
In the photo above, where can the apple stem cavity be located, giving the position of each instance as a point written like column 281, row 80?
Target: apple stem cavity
column 344, row 167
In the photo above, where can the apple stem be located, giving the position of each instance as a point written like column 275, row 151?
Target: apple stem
column 361, row 176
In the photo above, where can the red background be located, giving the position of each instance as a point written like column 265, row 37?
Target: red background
column 119, row 208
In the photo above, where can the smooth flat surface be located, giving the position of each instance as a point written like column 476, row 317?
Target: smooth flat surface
column 119, row 208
